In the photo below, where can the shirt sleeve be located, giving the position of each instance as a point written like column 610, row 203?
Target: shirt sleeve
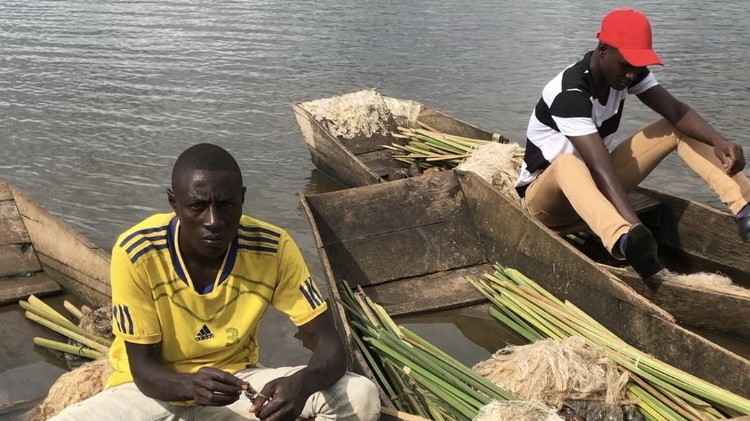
column 296, row 293
column 644, row 81
column 134, row 313
column 571, row 111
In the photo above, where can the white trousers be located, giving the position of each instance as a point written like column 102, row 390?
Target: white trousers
column 351, row 398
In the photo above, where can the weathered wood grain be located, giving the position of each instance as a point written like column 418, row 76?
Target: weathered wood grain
column 17, row 259
column 453, row 126
column 430, row 293
column 421, row 201
column 12, row 229
column 16, row 288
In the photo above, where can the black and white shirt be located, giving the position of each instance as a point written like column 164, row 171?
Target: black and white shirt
column 568, row 108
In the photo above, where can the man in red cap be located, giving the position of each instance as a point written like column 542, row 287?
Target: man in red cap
column 568, row 170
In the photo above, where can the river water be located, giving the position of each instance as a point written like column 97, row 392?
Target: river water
column 98, row 97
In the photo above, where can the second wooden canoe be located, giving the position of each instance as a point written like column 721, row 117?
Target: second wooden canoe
column 411, row 243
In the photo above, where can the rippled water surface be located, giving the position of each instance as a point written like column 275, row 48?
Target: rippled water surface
column 98, row 97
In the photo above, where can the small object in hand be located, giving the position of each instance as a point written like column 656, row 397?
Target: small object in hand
column 251, row 393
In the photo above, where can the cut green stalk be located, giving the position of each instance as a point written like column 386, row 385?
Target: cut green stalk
column 73, row 309
column 66, row 332
column 68, row 348
column 491, row 389
column 43, row 311
column 429, row 368
column 505, row 318
column 375, row 367
column 682, row 394
column 466, row 411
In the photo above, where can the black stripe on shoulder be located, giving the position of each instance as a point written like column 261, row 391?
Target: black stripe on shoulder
column 252, row 229
column 255, row 247
column 571, row 104
column 134, row 258
column 143, row 239
column 574, row 77
column 142, row 232
column 258, row 239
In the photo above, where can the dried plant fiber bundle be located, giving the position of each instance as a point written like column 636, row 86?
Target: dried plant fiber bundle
column 517, row 411
column 361, row 113
column 496, row 163
column 553, row 371
column 73, row 387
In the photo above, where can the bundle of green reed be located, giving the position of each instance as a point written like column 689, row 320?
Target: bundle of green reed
column 92, row 346
column 418, row 377
column 429, row 148
column 664, row 392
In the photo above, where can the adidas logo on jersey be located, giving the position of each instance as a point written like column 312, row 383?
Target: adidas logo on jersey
column 204, row 333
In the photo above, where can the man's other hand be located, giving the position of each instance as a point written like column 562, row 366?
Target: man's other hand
column 280, row 400
column 731, row 156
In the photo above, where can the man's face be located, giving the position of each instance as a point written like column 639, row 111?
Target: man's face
column 209, row 205
column 618, row 73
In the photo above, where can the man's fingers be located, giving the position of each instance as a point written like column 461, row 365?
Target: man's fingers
column 220, row 376
column 220, row 399
column 216, row 387
column 259, row 402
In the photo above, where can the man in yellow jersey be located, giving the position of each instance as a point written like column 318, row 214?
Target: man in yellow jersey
column 188, row 291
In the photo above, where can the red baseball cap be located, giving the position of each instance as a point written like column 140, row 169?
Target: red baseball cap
column 629, row 31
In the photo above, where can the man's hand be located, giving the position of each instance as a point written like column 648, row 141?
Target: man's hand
column 281, row 400
column 731, row 156
column 214, row 387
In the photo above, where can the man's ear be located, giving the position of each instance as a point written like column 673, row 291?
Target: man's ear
column 170, row 197
column 244, row 190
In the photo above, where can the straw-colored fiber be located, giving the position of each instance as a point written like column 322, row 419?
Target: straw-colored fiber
column 73, row 387
column 498, row 164
column 517, row 411
column 361, row 113
column 553, row 371
column 704, row 280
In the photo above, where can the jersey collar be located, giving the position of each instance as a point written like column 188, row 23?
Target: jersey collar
column 179, row 267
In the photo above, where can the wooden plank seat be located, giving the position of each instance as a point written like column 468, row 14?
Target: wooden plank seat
column 641, row 203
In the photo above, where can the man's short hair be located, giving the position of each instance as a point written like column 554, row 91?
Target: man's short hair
column 205, row 157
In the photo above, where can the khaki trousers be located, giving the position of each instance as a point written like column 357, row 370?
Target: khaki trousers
column 566, row 191
column 351, row 398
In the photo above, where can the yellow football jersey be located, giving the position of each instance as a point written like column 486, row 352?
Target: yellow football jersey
column 153, row 299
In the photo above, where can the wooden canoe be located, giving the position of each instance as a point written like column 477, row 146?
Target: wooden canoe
column 41, row 254
column 692, row 237
column 363, row 160
column 410, row 244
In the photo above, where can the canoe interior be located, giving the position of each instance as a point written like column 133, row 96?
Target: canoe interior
column 411, row 243
column 363, row 160
column 42, row 255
